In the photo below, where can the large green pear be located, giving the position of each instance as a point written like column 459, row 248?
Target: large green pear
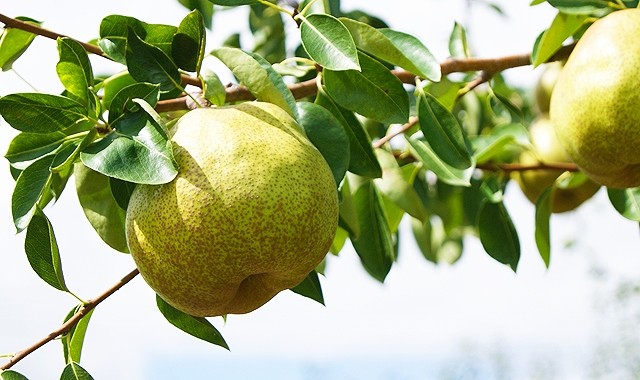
column 547, row 149
column 595, row 105
column 252, row 211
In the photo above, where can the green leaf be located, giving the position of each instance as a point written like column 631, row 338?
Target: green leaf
column 458, row 45
column 586, row 7
column 268, row 31
column 498, row 234
column 348, row 217
column 27, row 146
column 41, row 113
column 31, row 186
column 373, row 92
column 113, row 84
column 188, row 43
column 148, row 63
column 422, row 233
column 397, row 188
column 121, row 191
column 374, row 245
column 75, row 72
column 196, row 326
column 397, row 48
column 443, row 132
column 73, row 371
column 138, row 152
column 233, row 3
column 626, row 202
column 100, row 207
column 328, row 135
column 11, row 375
column 14, row 42
column 310, row 287
column 362, row 159
column 329, row 43
column 258, row 76
column 42, row 251
column 212, row 87
column 123, row 104
column 114, row 30
column 73, row 340
column 205, row 7
column 446, row 173
column 491, row 146
column 563, row 26
column 543, row 232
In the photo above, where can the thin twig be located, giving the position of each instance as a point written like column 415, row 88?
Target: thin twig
column 35, row 29
column 517, row 167
column 71, row 322
column 405, row 127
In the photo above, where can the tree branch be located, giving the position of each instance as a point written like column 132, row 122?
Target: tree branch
column 35, row 29
column 487, row 66
column 71, row 322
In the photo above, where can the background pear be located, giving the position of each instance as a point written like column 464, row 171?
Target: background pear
column 547, row 149
column 545, row 84
column 595, row 103
column 252, row 211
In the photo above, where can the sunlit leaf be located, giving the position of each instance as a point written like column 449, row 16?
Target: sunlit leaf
column 458, row 44
column 11, row 375
column 138, row 151
column 73, row 340
column 563, row 26
column 431, row 161
column 41, row 113
column 396, row 187
column 196, row 326
column 329, row 43
column 75, row 72
column 14, row 42
column 258, row 76
column 395, row 47
column 73, row 371
column 212, row 87
column 373, row 92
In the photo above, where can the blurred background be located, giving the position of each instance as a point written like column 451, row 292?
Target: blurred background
column 579, row 319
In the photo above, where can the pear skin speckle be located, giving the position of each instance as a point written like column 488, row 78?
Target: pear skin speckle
column 252, row 211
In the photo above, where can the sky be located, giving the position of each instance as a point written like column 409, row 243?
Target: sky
column 476, row 319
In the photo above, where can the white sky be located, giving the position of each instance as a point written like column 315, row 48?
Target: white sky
column 477, row 309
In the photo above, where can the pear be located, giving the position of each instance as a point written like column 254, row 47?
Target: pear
column 545, row 84
column 252, row 211
column 595, row 103
column 547, row 149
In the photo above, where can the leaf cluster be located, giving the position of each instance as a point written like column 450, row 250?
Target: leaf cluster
column 433, row 150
